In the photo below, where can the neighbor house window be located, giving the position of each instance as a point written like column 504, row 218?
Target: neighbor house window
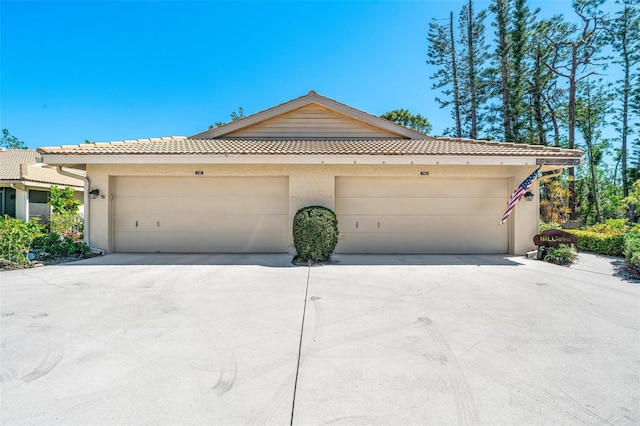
column 38, row 205
column 8, row 202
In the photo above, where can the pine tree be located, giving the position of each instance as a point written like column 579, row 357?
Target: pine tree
column 442, row 54
column 501, row 9
column 624, row 31
column 474, row 82
column 520, row 33
column 580, row 45
column 634, row 109
column 592, row 107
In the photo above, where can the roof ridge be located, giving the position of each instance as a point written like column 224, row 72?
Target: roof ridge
column 109, row 143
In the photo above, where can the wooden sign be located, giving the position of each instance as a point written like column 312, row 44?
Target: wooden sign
column 555, row 237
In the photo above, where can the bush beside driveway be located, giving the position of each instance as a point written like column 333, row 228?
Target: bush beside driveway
column 387, row 340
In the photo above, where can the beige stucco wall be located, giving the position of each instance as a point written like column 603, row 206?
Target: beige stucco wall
column 308, row 185
column 524, row 220
column 22, row 203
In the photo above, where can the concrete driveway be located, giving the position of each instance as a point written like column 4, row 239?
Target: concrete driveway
column 202, row 339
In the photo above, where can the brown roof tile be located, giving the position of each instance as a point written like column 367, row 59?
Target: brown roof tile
column 426, row 146
column 10, row 161
column 23, row 165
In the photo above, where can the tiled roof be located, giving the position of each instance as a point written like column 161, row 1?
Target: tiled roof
column 426, row 146
column 10, row 161
column 23, row 165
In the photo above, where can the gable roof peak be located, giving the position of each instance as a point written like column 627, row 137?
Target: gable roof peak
column 387, row 127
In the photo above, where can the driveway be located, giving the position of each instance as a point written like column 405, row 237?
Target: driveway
column 216, row 339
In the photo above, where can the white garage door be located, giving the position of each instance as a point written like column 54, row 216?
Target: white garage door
column 217, row 215
column 421, row 215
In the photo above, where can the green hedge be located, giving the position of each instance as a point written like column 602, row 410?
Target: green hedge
column 609, row 244
column 16, row 237
column 315, row 234
column 632, row 253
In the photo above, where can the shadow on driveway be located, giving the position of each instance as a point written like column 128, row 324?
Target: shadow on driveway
column 284, row 260
column 426, row 259
column 142, row 259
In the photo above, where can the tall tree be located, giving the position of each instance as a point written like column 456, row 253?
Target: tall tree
column 545, row 88
column 520, row 34
column 592, row 107
column 474, row 54
column 412, row 121
column 501, row 8
column 442, row 54
column 514, row 30
column 624, row 31
column 634, row 107
column 581, row 44
column 8, row 141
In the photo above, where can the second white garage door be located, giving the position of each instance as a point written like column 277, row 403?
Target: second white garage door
column 421, row 215
column 217, row 215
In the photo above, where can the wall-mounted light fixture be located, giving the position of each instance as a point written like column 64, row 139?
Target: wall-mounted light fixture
column 94, row 193
column 529, row 196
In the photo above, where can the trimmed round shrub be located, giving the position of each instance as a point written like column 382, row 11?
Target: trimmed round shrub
column 315, row 233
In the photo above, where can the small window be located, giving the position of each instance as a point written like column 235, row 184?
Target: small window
column 38, row 206
column 41, row 197
column 8, row 201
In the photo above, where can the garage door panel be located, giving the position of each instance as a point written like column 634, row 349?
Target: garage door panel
column 382, row 223
column 209, row 205
column 193, row 223
column 420, row 206
column 198, row 187
column 424, row 187
column 421, row 215
column 421, row 243
column 201, row 214
column 199, row 242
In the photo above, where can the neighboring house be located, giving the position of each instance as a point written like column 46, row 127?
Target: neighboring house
column 237, row 187
column 25, row 183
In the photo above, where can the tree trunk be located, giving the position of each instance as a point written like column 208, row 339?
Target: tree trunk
column 594, row 187
column 473, row 133
column 536, row 93
column 502, row 17
column 572, row 130
column 625, row 112
column 454, row 72
column 554, row 121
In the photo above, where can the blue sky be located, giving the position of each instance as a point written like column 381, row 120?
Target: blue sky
column 113, row 70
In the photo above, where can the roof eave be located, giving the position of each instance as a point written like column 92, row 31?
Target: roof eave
column 38, row 184
column 73, row 160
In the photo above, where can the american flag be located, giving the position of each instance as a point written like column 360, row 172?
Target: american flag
column 517, row 194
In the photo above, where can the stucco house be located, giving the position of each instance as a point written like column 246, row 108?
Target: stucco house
column 236, row 188
column 25, row 183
